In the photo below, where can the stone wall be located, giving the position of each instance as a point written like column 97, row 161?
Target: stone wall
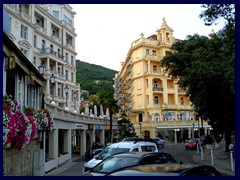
column 19, row 163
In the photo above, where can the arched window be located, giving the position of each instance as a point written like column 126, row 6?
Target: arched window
column 168, row 37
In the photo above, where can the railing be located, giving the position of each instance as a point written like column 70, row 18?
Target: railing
column 157, row 89
column 65, row 115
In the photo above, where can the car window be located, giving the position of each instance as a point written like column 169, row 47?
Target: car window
column 135, row 150
column 149, row 160
column 148, row 148
column 114, row 163
column 111, row 151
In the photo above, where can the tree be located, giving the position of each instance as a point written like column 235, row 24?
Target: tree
column 107, row 100
column 205, row 67
column 126, row 128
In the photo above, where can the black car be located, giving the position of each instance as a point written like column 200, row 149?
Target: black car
column 166, row 170
column 122, row 160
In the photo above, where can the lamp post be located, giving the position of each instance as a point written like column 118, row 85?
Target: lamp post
column 74, row 97
column 66, row 91
column 53, row 81
column 140, row 124
column 41, row 69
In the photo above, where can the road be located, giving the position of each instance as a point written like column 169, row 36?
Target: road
column 178, row 151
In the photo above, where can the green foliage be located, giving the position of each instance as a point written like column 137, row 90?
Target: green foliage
column 94, row 78
column 206, row 68
column 126, row 128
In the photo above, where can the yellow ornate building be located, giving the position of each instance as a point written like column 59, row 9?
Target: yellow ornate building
column 153, row 101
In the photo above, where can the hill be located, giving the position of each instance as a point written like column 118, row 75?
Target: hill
column 94, row 78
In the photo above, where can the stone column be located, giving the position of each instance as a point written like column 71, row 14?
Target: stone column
column 83, row 142
column 102, row 136
column 53, row 144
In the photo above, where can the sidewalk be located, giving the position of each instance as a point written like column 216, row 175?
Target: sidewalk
column 219, row 159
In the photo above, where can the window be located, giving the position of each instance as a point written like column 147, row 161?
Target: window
column 24, row 31
column 66, row 74
column 34, row 60
column 155, row 99
column 67, row 20
column 182, row 101
column 66, row 56
column 24, row 51
column 72, row 60
column 43, row 46
column 169, row 116
column 155, row 85
column 156, row 117
column 154, row 68
column 59, row 53
column 154, row 53
column 35, row 41
column 147, row 51
column 51, row 49
column 72, row 77
column 56, row 14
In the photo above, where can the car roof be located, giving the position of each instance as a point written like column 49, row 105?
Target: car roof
column 139, row 154
column 163, row 170
column 129, row 144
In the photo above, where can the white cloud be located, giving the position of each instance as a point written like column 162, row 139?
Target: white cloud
column 106, row 31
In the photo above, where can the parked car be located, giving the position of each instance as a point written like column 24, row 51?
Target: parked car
column 191, row 144
column 120, row 147
column 166, row 170
column 89, row 154
column 132, row 139
column 122, row 160
column 207, row 139
column 160, row 142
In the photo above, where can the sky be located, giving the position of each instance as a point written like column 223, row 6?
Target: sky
column 105, row 31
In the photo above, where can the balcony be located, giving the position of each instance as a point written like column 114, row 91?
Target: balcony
column 56, row 38
column 157, row 89
column 40, row 28
column 50, row 52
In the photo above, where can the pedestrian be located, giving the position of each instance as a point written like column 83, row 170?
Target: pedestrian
column 232, row 148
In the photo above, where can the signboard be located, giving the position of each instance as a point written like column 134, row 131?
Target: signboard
column 97, row 127
column 79, row 126
column 108, row 126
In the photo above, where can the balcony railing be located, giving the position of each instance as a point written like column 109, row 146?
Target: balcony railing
column 157, row 89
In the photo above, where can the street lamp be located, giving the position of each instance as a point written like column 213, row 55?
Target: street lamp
column 41, row 68
column 53, row 81
column 74, row 97
column 140, row 124
column 66, row 91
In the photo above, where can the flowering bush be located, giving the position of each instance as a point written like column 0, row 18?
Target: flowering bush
column 19, row 128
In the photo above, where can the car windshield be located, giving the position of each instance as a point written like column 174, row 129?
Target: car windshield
column 110, row 151
column 114, row 163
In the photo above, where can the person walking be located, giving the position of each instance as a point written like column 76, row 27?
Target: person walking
column 232, row 148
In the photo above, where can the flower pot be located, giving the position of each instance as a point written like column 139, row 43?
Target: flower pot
column 7, row 146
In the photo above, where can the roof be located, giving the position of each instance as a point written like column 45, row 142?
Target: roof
column 8, row 42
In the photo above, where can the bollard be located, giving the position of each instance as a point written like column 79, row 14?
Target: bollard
column 231, row 158
column 212, row 156
column 197, row 148
column 201, row 153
